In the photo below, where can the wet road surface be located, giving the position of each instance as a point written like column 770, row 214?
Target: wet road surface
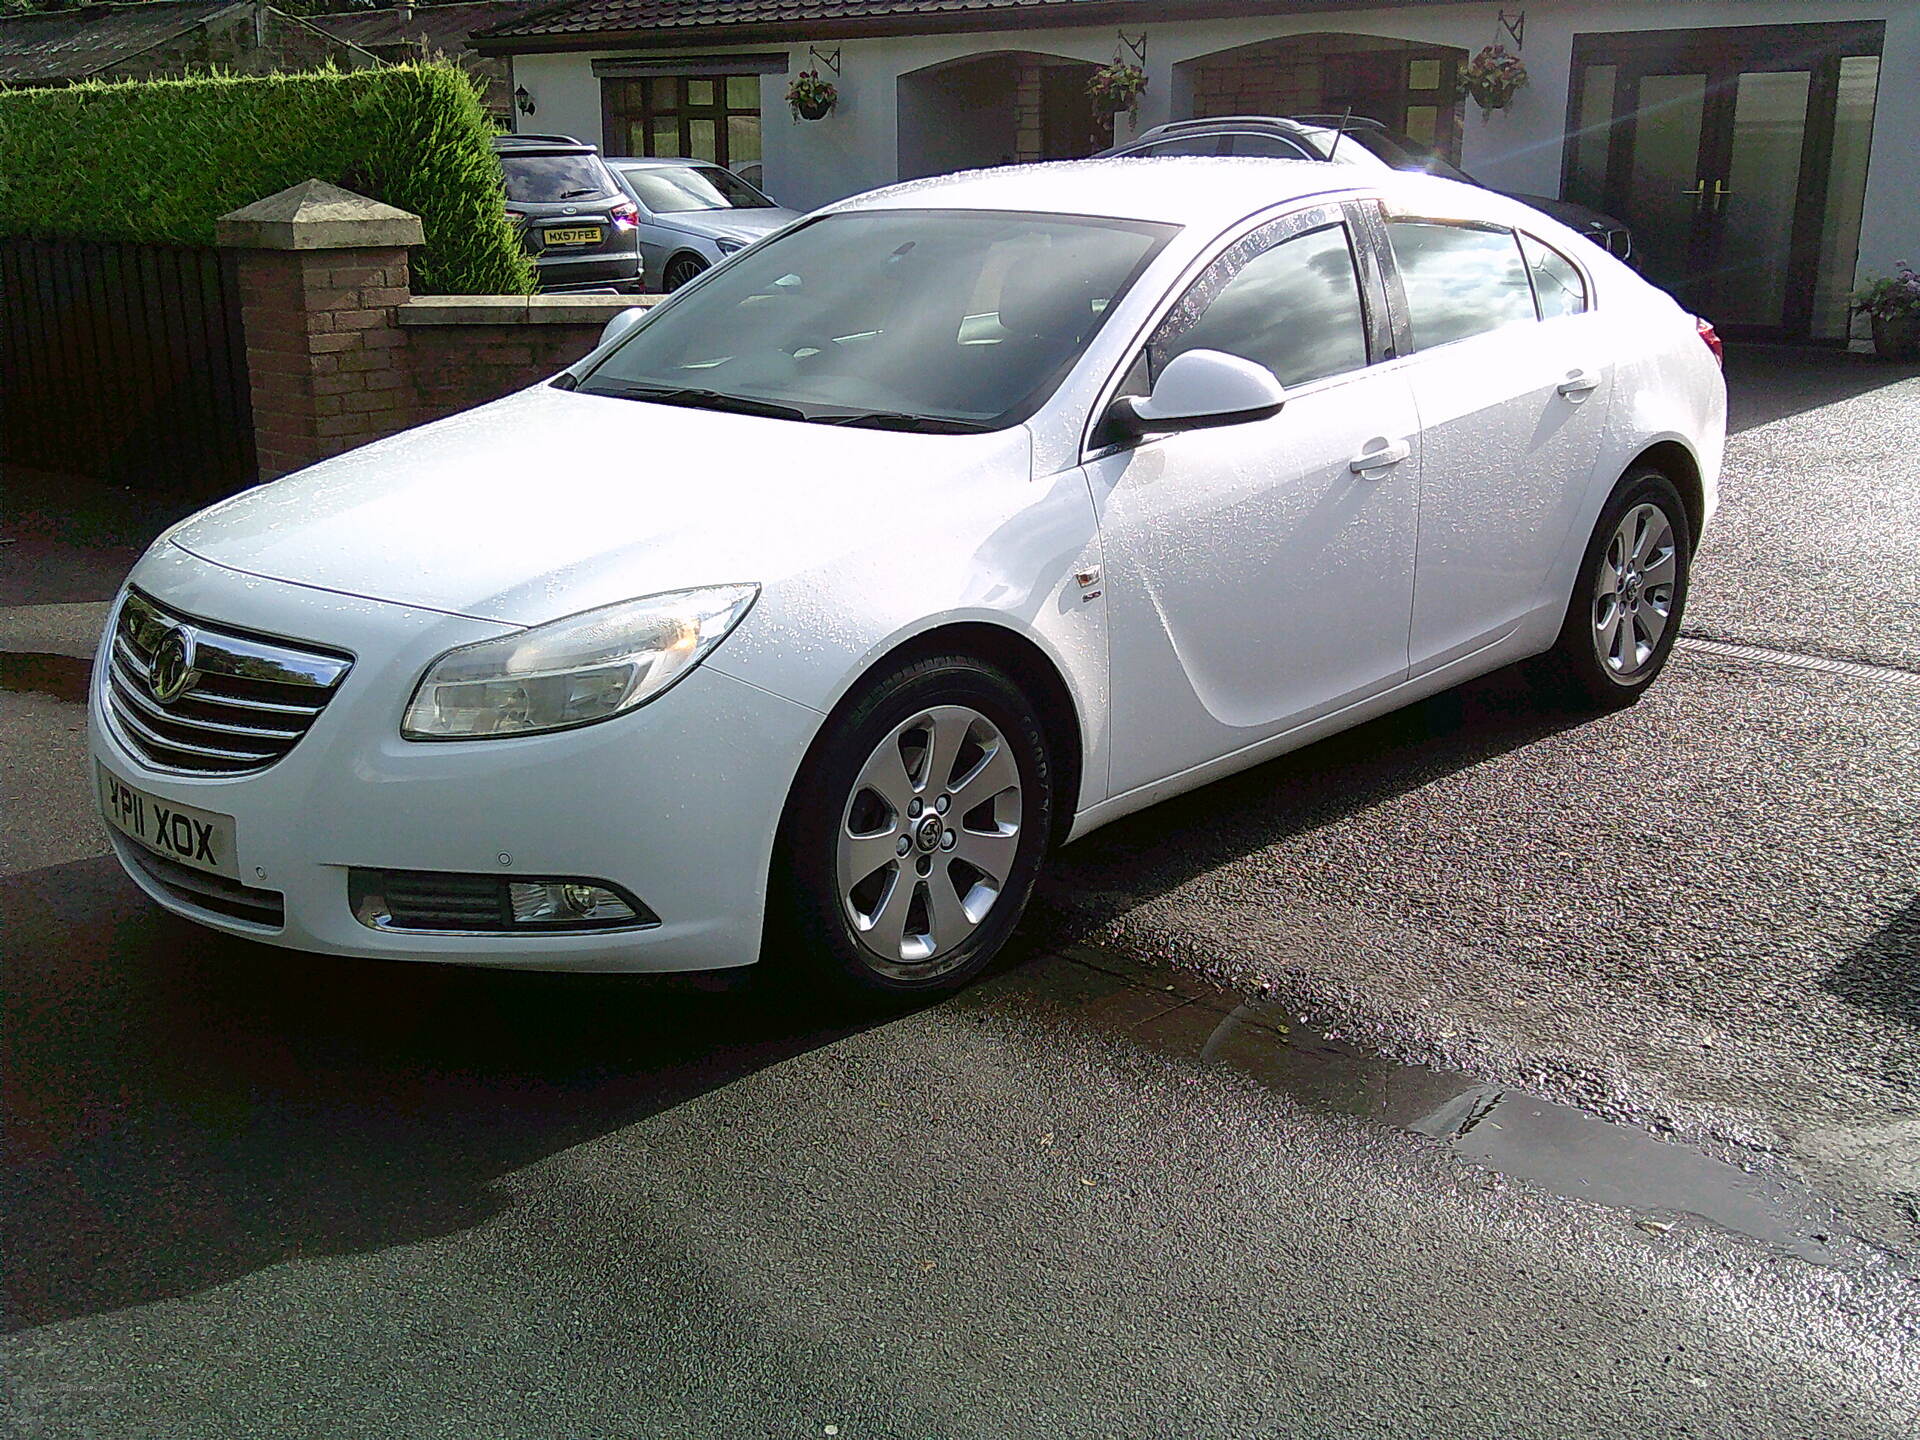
column 1482, row 1072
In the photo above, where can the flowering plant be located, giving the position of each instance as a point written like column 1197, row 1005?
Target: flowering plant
column 1890, row 297
column 810, row 97
column 1493, row 77
column 1117, row 87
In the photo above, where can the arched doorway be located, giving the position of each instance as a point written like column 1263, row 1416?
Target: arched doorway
column 1001, row 109
column 1407, row 87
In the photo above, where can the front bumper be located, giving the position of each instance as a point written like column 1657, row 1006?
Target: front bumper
column 676, row 802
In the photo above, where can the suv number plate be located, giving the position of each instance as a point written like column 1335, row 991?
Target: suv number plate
column 575, row 235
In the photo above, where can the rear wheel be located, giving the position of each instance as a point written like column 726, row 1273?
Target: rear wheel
column 680, row 270
column 1625, row 612
column 916, row 833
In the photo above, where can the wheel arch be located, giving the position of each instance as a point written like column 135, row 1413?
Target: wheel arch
column 1025, row 661
column 1675, row 461
column 679, row 253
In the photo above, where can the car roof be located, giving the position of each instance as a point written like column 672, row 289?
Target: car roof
column 542, row 145
column 1199, row 190
column 1207, row 193
column 659, row 162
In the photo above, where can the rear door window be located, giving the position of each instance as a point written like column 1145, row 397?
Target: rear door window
column 1460, row 280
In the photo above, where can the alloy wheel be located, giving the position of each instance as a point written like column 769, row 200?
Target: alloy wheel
column 927, row 841
column 1634, row 591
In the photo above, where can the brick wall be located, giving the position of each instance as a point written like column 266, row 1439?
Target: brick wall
column 463, row 351
column 325, row 354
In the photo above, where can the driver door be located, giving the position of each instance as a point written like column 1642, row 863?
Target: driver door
column 1260, row 575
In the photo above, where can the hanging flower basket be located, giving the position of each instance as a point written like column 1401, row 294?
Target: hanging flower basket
column 1492, row 78
column 1117, row 87
column 810, row 97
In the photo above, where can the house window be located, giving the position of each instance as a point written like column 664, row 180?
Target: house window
column 703, row 117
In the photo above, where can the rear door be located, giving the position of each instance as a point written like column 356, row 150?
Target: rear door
column 1512, row 377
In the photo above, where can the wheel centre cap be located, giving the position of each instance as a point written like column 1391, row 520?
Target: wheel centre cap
column 1632, row 588
column 927, row 833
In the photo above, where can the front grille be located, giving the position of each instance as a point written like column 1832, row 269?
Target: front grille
column 423, row 901
column 234, row 703
column 207, row 892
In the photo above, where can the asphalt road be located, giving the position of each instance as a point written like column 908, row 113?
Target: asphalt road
column 1104, row 1193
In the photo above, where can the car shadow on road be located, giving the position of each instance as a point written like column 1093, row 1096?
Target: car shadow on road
column 183, row 1109
column 1095, row 882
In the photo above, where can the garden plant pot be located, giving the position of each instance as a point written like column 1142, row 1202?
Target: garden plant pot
column 1896, row 337
column 813, row 109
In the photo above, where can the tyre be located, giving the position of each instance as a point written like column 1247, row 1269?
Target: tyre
column 680, row 270
column 915, row 832
column 1627, row 602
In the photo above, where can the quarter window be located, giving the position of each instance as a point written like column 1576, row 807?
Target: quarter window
column 1557, row 283
column 1294, row 308
column 1460, row 280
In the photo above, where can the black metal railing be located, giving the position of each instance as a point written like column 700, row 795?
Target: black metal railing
column 124, row 363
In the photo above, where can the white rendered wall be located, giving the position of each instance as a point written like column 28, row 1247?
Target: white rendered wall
column 857, row 147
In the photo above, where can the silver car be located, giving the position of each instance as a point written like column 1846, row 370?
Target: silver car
column 693, row 213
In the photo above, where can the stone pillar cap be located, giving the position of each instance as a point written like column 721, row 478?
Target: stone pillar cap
column 314, row 215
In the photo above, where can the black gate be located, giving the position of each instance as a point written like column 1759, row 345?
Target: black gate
column 124, row 363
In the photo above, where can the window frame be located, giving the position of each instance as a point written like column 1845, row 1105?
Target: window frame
column 618, row 117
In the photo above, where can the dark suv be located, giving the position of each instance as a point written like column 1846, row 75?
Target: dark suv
column 571, row 214
column 1357, row 140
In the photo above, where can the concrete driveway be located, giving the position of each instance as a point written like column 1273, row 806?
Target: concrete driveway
column 1480, row 1072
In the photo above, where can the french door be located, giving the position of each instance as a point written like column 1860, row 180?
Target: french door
column 1738, row 156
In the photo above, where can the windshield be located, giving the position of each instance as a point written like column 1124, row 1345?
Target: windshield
column 1364, row 144
column 546, row 179
column 921, row 319
column 669, row 189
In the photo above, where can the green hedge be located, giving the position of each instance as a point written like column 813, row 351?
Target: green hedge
column 160, row 161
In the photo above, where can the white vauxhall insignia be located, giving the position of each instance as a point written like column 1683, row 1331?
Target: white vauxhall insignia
column 812, row 608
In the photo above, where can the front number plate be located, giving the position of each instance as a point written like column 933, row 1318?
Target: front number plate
column 576, row 235
column 193, row 837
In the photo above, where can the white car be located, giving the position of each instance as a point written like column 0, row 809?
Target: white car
column 803, row 616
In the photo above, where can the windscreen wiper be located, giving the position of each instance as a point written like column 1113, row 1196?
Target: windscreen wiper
column 697, row 399
column 900, row 420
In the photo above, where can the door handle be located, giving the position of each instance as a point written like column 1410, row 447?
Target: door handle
column 1578, row 382
column 1367, row 461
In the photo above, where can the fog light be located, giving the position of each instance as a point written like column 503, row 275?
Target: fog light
column 565, row 902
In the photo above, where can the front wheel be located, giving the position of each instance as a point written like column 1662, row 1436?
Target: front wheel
column 916, row 832
column 1624, row 615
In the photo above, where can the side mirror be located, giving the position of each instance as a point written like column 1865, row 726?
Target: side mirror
column 1198, row 390
column 621, row 325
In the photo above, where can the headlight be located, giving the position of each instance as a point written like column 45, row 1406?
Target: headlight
column 726, row 244
column 587, row 667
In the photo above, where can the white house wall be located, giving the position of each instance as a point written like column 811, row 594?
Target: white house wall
column 857, row 147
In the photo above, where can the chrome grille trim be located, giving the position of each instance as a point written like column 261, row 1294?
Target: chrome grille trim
column 247, row 700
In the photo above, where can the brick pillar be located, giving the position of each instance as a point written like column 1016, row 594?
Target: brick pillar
column 322, row 273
